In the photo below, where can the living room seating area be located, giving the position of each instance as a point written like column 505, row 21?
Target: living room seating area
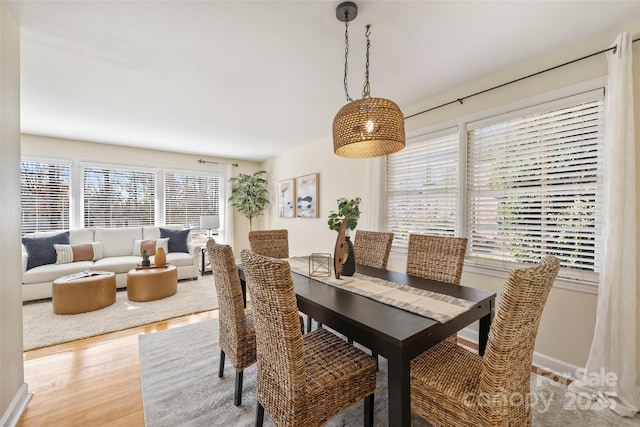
column 117, row 250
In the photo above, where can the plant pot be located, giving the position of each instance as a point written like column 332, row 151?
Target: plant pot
column 145, row 263
column 349, row 265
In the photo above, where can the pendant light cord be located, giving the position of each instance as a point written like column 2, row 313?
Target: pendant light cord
column 365, row 89
column 346, row 56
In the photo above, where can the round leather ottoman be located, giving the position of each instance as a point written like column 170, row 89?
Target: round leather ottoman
column 150, row 284
column 83, row 294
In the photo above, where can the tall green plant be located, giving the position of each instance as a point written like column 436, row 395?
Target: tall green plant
column 350, row 208
column 249, row 194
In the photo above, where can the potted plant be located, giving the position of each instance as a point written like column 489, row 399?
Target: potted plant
column 349, row 209
column 249, row 194
column 146, row 262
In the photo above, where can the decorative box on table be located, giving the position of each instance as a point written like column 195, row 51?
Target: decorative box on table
column 320, row 265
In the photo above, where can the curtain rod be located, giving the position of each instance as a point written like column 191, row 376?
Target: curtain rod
column 460, row 100
column 217, row 163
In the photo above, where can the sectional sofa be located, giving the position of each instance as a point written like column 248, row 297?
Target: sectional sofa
column 106, row 249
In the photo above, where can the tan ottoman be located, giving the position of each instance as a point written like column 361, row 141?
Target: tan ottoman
column 149, row 284
column 83, row 294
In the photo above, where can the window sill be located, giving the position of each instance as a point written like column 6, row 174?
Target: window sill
column 560, row 283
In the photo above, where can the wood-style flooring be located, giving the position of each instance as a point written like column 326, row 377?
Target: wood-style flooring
column 93, row 381
column 96, row 381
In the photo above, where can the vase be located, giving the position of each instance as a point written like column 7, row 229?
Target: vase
column 349, row 265
column 160, row 257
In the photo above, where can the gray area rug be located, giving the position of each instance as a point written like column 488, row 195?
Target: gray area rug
column 42, row 328
column 180, row 387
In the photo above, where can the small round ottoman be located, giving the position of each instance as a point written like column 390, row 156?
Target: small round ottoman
column 83, row 294
column 150, row 284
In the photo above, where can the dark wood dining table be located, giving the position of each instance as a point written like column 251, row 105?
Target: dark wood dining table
column 396, row 334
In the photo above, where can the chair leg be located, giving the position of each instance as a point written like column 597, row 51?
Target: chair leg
column 368, row 411
column 319, row 325
column 309, row 323
column 237, row 400
column 221, row 368
column 375, row 356
column 260, row 415
column 350, row 341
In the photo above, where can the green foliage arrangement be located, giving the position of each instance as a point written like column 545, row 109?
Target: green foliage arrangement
column 350, row 208
column 249, row 194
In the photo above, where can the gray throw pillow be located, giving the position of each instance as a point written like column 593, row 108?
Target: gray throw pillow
column 40, row 250
column 177, row 239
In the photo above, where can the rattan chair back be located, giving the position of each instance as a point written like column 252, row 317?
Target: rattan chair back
column 237, row 340
column 506, row 365
column 281, row 370
column 302, row 382
column 372, row 248
column 271, row 243
column 436, row 257
column 451, row 386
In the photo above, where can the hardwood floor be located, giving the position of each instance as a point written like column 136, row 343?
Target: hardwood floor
column 96, row 381
column 91, row 382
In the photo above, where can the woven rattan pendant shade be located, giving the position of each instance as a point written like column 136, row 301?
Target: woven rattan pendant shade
column 368, row 127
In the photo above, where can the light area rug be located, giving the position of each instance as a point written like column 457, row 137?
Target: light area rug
column 42, row 328
column 180, row 387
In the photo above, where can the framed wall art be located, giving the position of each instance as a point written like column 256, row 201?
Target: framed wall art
column 287, row 198
column 307, row 196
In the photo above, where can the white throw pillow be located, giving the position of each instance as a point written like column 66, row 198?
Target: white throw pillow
column 82, row 252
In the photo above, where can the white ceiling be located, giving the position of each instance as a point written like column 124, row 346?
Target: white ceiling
column 251, row 79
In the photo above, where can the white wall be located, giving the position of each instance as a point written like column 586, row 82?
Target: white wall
column 33, row 145
column 13, row 390
column 568, row 321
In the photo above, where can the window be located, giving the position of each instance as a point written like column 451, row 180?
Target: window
column 45, row 196
column 534, row 186
column 422, row 187
column 118, row 197
column 519, row 185
column 189, row 195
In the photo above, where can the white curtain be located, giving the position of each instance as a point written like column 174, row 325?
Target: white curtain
column 613, row 350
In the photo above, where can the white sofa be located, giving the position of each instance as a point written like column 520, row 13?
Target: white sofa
column 117, row 250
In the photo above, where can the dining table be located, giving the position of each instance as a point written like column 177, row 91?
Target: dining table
column 392, row 332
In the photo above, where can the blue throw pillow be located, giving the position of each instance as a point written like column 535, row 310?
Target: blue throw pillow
column 177, row 239
column 40, row 250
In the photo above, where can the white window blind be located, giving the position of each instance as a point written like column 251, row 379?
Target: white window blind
column 45, row 196
column 422, row 187
column 189, row 195
column 118, row 197
column 534, row 185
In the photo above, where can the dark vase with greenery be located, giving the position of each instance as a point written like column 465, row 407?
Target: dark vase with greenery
column 350, row 209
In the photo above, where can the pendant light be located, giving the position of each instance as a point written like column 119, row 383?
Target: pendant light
column 368, row 127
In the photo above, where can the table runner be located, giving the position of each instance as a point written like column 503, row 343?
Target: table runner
column 439, row 307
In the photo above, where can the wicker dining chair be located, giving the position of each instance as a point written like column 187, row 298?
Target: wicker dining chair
column 271, row 243
column 451, row 386
column 436, row 257
column 302, row 380
column 237, row 333
column 372, row 248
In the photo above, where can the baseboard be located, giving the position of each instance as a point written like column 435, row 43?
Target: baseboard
column 17, row 407
column 549, row 364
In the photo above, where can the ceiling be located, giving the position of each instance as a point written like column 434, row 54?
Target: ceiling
column 251, row 79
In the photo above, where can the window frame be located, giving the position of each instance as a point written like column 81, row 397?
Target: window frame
column 48, row 161
column 83, row 166
column 220, row 203
column 588, row 282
